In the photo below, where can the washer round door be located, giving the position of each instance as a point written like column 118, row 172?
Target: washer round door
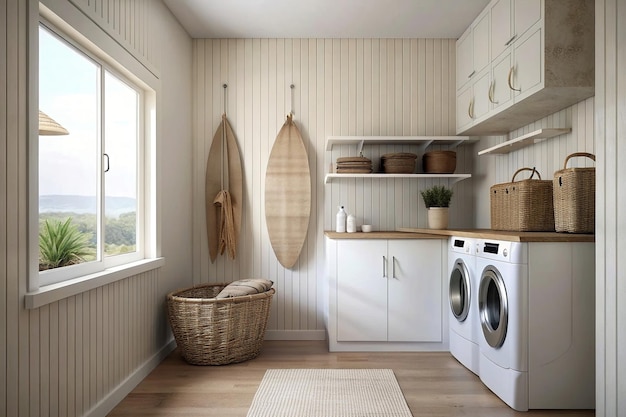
column 459, row 292
column 493, row 307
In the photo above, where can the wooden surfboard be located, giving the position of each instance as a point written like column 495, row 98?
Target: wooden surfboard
column 233, row 182
column 288, row 194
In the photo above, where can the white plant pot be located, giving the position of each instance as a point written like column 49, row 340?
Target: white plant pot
column 438, row 217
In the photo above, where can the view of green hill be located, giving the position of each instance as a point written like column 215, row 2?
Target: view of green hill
column 119, row 226
column 114, row 206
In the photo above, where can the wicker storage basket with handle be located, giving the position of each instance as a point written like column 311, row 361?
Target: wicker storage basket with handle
column 575, row 197
column 523, row 206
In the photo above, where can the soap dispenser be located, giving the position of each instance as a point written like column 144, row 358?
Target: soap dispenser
column 341, row 220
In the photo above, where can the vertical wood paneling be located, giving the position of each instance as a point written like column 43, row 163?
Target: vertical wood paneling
column 610, row 128
column 76, row 355
column 342, row 87
column 127, row 21
column 5, row 78
column 620, row 224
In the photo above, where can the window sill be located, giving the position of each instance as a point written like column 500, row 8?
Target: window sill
column 55, row 292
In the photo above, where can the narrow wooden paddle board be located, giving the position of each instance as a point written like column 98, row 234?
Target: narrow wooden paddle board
column 233, row 182
column 288, row 194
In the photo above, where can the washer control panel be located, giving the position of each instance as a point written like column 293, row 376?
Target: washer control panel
column 500, row 250
column 463, row 245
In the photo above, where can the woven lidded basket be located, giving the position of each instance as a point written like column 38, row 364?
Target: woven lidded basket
column 575, row 197
column 439, row 162
column 212, row 331
column 522, row 206
column 398, row 163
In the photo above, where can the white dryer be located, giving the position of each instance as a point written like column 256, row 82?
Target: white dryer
column 536, row 309
column 464, row 323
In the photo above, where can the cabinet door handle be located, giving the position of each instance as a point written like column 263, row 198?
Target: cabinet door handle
column 510, row 40
column 384, row 267
column 471, row 74
column 470, row 109
column 491, row 88
column 510, row 81
column 393, row 267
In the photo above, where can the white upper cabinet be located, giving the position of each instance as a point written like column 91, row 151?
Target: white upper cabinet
column 472, row 50
column 473, row 101
column 500, row 17
column 510, row 19
column 500, row 94
column 473, row 77
column 541, row 61
column 464, row 59
column 525, row 14
column 526, row 76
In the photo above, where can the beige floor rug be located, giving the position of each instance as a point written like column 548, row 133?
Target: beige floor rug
column 329, row 393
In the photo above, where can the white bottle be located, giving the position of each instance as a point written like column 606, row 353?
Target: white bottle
column 351, row 223
column 341, row 220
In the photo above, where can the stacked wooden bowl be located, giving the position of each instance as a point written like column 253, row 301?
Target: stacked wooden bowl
column 354, row 165
column 398, row 163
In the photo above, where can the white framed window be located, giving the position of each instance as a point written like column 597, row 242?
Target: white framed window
column 93, row 213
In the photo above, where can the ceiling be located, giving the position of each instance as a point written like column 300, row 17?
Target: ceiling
column 325, row 18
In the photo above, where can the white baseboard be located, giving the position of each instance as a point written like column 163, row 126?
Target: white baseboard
column 114, row 397
column 295, row 335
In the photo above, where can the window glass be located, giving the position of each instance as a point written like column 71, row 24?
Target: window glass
column 120, row 159
column 68, row 176
column 89, row 170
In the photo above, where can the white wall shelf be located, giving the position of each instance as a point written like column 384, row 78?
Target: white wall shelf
column 525, row 140
column 422, row 141
column 453, row 177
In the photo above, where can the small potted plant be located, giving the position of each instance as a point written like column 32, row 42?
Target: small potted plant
column 437, row 201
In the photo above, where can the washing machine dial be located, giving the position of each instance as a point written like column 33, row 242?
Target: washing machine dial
column 504, row 252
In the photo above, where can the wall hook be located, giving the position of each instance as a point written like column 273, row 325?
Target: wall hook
column 225, row 86
column 292, row 99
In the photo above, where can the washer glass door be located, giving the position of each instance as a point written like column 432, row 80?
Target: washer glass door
column 493, row 307
column 459, row 292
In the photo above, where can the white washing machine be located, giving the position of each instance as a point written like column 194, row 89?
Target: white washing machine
column 463, row 320
column 536, row 309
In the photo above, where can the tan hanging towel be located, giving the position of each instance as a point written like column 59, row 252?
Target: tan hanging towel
column 224, row 192
column 227, row 237
column 288, row 194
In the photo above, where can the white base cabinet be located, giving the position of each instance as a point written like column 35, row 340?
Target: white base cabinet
column 386, row 294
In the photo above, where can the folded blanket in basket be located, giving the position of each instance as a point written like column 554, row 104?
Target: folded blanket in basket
column 245, row 287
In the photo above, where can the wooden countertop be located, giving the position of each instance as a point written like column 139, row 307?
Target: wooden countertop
column 384, row 235
column 505, row 235
column 416, row 233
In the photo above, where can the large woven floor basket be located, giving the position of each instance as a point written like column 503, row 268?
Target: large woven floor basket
column 212, row 331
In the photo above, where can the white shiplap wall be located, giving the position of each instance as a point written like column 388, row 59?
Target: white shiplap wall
column 82, row 354
column 128, row 22
column 610, row 216
column 342, row 87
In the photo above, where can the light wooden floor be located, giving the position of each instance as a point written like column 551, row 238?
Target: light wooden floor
column 434, row 384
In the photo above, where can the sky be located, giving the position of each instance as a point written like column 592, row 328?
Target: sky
column 68, row 92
